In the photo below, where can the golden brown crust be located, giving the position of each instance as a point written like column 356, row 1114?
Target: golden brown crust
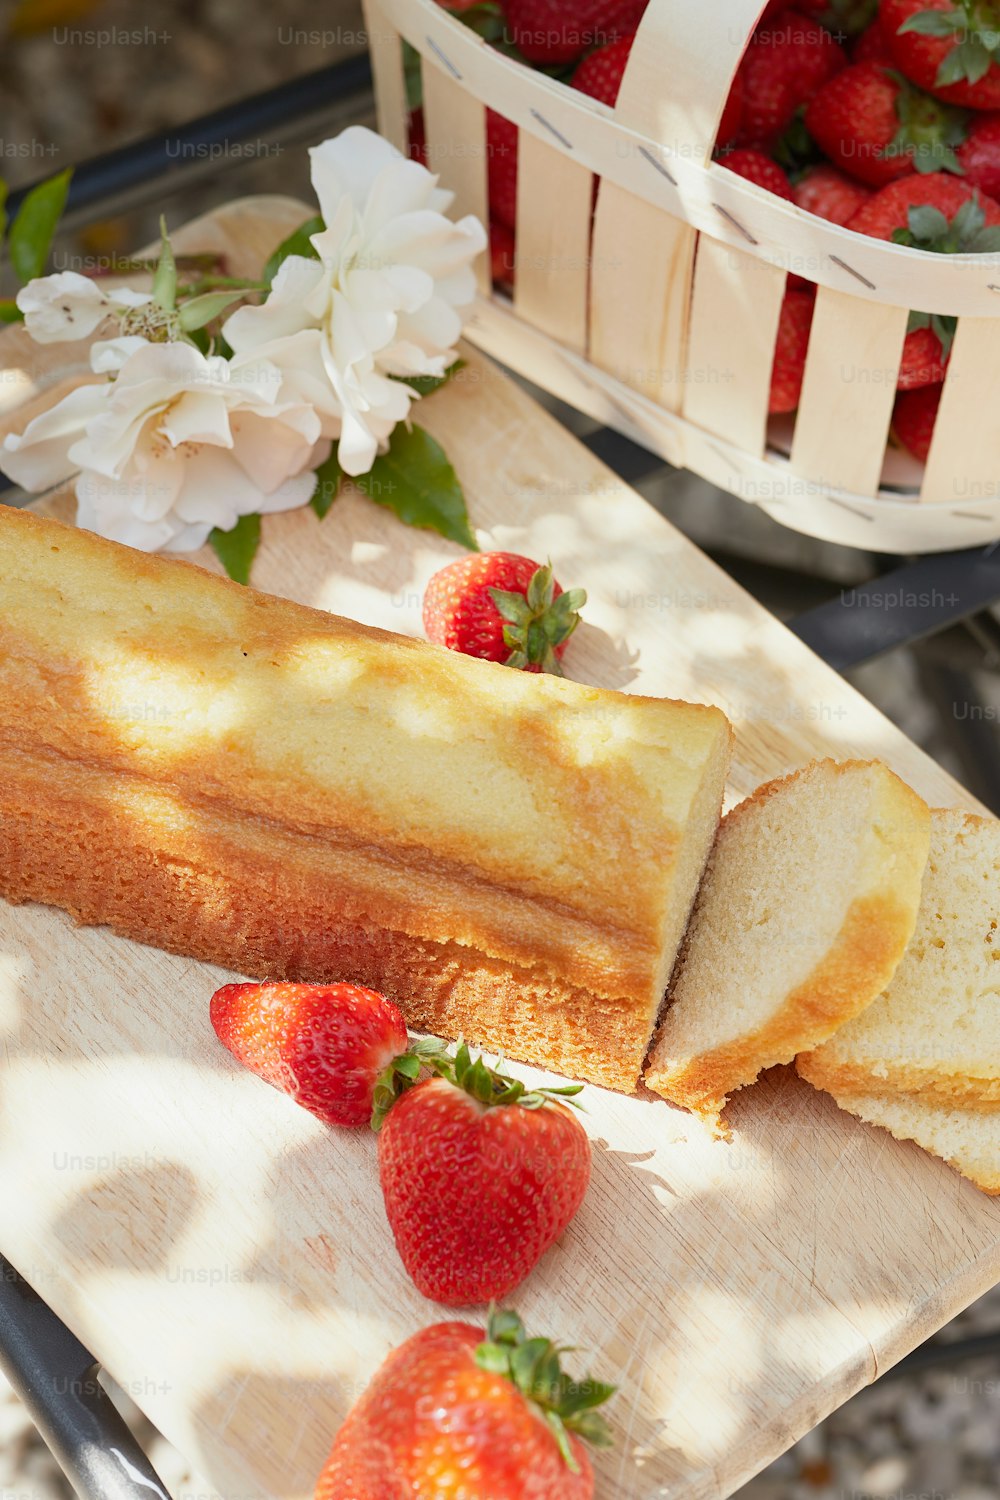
column 873, row 937
column 867, row 950
column 960, row 1090
column 511, row 857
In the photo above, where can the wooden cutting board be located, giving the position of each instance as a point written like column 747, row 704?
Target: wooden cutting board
column 227, row 1257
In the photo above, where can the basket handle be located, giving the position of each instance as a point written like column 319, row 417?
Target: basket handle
column 680, row 69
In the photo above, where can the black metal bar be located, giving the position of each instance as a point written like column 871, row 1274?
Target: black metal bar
column 56, row 1378
column 142, row 170
column 901, row 607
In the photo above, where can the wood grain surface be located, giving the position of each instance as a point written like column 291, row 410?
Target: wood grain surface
column 227, row 1257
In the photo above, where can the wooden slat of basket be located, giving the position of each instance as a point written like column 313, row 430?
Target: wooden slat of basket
column 455, row 122
column 963, row 465
column 847, row 394
column 554, row 204
column 639, row 292
column 386, row 48
column 735, row 307
column 679, row 72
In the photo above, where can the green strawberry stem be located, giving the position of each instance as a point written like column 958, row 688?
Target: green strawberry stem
column 929, row 229
column 489, row 1086
column 927, row 128
column 537, row 623
column 975, row 30
column 533, row 1366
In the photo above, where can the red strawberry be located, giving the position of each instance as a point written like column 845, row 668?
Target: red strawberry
column 878, row 128
column 828, row 194
column 501, row 167
column 502, row 607
column 950, row 47
column 732, row 114
column 600, row 75
column 324, row 1044
column 417, row 136
column 790, row 351
column 479, row 1178
column 758, row 168
column 888, row 211
column 459, row 1412
column 872, row 46
column 502, row 255
column 946, row 216
column 979, row 154
column 913, row 419
column 788, row 59
column 560, row 31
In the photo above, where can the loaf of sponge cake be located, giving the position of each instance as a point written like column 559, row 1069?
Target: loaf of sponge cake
column 232, row 776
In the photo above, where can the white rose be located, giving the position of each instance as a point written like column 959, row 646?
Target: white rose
column 384, row 299
column 67, row 306
column 176, row 444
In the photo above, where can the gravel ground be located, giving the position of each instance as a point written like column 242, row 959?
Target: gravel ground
column 67, row 92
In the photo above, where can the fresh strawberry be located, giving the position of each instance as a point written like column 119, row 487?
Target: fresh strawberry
column 758, row 168
column 502, row 255
column 479, row 1177
column 417, row 135
column 950, row 47
column 501, row 168
column 913, row 419
column 887, row 212
column 502, row 607
column 459, row 1412
column 789, row 57
column 560, row 31
column 876, row 126
column 828, row 194
column 790, row 349
column 600, row 75
column 327, row 1045
column 732, row 115
column 946, row 216
column 979, row 154
column 872, row 45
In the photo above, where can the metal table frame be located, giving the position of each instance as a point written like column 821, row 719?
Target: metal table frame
column 52, row 1372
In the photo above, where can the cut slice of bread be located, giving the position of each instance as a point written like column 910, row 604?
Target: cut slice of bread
column 935, row 1032
column 808, row 903
column 967, row 1139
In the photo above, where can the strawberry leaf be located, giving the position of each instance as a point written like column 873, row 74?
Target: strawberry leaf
column 9, row 311
column 933, row 23
column 3, row 211
column 417, row 483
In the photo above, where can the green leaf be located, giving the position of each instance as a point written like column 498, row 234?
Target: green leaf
column 298, row 243
column 425, row 385
column 201, row 310
column 933, row 23
column 9, row 311
column 417, row 483
column 328, row 477
column 986, row 241
column 493, row 1358
column 412, row 75
column 35, row 224
column 968, row 62
column 236, row 549
column 591, row 1426
column 165, row 275
column 3, row 211
column 926, row 222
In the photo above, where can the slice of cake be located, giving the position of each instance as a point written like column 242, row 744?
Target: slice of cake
column 935, row 1032
column 809, row 900
column 967, row 1139
column 508, row 856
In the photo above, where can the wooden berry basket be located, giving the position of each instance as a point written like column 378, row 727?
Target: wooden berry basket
column 657, row 312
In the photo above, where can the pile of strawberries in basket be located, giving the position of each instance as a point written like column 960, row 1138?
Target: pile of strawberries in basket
column 880, row 115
